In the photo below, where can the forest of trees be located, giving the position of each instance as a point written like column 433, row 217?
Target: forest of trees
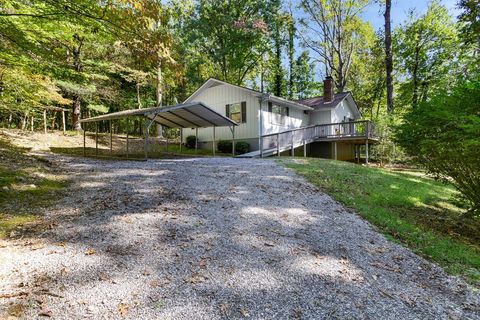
column 95, row 56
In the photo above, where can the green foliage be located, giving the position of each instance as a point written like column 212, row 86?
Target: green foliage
column 443, row 133
column 304, row 78
column 190, row 142
column 425, row 50
column 242, row 147
column 407, row 206
column 224, row 146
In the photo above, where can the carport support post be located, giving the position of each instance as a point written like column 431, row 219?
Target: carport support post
column 145, row 143
column 45, row 120
column 181, row 139
column 304, row 148
column 366, row 151
column 63, row 121
column 196, row 139
column 111, row 138
column 233, row 141
column 128, row 122
column 84, row 144
column 213, row 142
column 96, row 138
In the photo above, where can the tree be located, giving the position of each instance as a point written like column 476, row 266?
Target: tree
column 425, row 48
column 388, row 55
column 304, row 77
column 442, row 135
column 232, row 34
column 334, row 26
column 470, row 18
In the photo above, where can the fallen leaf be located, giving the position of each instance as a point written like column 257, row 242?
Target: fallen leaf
column 202, row 263
column 123, row 309
column 244, row 312
column 45, row 313
column 196, row 278
column 223, row 307
column 90, row 252
column 154, row 283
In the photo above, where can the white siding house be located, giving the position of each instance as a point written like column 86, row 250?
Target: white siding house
column 259, row 114
column 218, row 94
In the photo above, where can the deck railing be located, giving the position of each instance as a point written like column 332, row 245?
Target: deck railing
column 294, row 138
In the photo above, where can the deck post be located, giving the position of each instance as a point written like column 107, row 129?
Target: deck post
column 233, row 141
column 278, row 145
column 366, row 151
column 292, row 151
column 213, row 142
column 335, row 150
column 357, row 152
column 45, row 120
column 111, row 139
column 304, row 148
column 63, row 121
column 196, row 139
column 261, row 146
column 96, row 139
column 84, row 142
column 31, row 125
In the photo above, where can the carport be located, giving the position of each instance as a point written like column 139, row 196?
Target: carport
column 188, row 115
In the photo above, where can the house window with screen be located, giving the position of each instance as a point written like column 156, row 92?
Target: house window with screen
column 278, row 114
column 237, row 112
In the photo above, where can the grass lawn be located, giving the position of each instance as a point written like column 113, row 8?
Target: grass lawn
column 407, row 206
column 27, row 189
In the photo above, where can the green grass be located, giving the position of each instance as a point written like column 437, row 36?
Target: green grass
column 407, row 206
column 27, row 188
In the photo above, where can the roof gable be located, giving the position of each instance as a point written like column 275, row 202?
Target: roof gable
column 212, row 82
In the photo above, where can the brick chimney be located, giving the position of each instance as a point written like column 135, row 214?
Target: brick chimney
column 328, row 93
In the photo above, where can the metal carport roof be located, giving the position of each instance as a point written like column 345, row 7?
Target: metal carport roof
column 184, row 115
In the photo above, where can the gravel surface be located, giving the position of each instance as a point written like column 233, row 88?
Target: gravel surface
column 215, row 238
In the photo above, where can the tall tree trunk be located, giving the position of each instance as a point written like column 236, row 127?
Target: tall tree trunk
column 415, row 79
column 388, row 56
column 77, row 99
column 291, row 57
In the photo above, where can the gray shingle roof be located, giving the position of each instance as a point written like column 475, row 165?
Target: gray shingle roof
column 317, row 102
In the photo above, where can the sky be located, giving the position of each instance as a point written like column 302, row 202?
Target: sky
column 400, row 9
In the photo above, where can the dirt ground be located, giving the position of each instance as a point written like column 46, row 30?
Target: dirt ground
column 212, row 238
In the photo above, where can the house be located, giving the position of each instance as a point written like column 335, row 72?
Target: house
column 329, row 126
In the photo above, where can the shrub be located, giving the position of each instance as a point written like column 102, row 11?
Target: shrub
column 224, row 146
column 242, row 147
column 443, row 135
column 190, row 142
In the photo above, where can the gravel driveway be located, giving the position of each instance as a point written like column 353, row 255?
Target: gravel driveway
column 215, row 238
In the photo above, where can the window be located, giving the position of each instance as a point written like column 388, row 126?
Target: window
column 237, row 111
column 278, row 114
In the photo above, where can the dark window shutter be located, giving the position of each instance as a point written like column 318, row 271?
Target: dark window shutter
column 227, row 111
column 244, row 111
column 269, row 106
column 288, row 112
